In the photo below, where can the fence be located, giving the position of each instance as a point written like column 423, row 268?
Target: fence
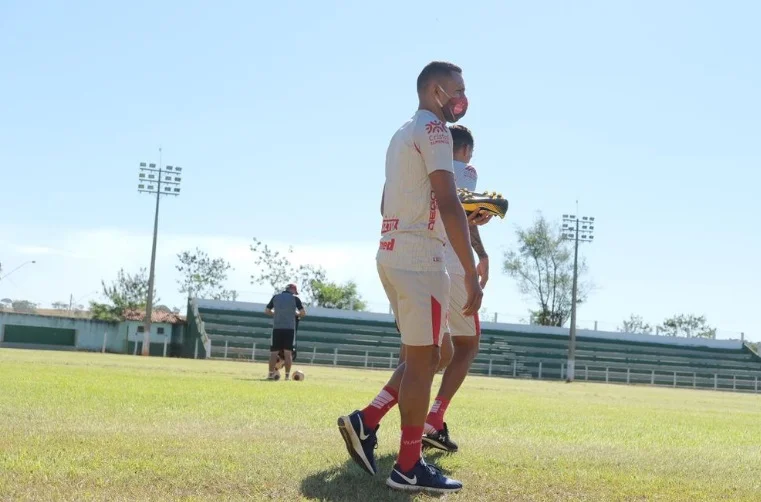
column 509, row 366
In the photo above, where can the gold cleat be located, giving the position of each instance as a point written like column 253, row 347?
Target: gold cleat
column 491, row 202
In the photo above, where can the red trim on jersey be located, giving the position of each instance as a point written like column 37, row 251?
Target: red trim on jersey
column 436, row 320
column 417, row 148
column 478, row 325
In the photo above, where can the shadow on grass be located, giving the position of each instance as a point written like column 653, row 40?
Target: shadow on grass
column 349, row 483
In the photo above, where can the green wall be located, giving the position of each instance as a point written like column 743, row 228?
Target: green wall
column 39, row 335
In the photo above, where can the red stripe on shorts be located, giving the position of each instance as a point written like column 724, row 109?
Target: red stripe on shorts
column 478, row 324
column 436, row 320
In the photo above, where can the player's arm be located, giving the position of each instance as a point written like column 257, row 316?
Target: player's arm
column 268, row 308
column 477, row 244
column 300, row 308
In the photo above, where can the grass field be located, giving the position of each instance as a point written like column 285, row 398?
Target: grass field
column 104, row 427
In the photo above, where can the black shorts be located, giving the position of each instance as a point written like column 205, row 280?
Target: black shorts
column 282, row 339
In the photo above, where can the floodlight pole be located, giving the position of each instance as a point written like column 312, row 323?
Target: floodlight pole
column 571, row 371
column 579, row 234
column 152, row 273
column 171, row 188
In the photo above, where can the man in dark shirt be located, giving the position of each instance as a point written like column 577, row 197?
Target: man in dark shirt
column 282, row 308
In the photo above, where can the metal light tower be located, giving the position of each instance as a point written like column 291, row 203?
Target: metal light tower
column 160, row 181
column 578, row 229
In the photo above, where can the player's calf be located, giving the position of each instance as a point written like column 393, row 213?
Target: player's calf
column 436, row 430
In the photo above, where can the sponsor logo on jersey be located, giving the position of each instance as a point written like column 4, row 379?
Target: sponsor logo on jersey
column 438, row 133
column 432, row 211
column 389, row 225
column 387, row 245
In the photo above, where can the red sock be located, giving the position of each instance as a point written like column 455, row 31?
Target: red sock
column 383, row 402
column 411, row 448
column 436, row 415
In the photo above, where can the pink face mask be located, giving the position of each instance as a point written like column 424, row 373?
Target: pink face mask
column 454, row 109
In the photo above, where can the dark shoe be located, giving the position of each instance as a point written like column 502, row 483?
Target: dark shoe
column 361, row 441
column 422, row 476
column 440, row 439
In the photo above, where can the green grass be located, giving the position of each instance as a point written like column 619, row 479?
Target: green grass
column 104, row 427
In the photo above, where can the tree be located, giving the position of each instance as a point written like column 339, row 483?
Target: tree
column 277, row 271
column 24, row 307
column 60, row 306
column 338, row 296
column 203, row 277
column 229, row 295
column 6, row 303
column 127, row 293
column 543, row 267
column 635, row 324
column 689, row 326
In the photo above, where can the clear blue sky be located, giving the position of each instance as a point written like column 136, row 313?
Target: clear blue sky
column 280, row 113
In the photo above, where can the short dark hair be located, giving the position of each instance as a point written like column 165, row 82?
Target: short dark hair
column 461, row 136
column 435, row 69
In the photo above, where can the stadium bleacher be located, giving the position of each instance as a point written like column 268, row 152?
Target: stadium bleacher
column 240, row 330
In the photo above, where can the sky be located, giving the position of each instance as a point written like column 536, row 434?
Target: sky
column 280, row 113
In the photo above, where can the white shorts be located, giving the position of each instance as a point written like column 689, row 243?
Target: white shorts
column 419, row 301
column 459, row 325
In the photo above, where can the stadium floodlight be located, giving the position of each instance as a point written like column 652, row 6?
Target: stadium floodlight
column 160, row 181
column 577, row 229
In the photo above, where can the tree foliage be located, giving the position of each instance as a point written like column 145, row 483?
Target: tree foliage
column 203, row 277
column 127, row 293
column 543, row 266
column 339, row 296
column 24, row 306
column 277, row 271
column 635, row 324
column 689, row 326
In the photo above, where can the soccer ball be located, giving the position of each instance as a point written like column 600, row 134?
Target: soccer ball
column 298, row 375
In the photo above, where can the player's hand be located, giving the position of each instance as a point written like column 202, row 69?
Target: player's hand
column 479, row 218
column 483, row 270
column 475, row 294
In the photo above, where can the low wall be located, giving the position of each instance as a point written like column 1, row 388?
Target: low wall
column 88, row 333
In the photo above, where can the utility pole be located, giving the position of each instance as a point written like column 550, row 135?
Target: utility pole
column 579, row 230
column 151, row 180
column 17, row 268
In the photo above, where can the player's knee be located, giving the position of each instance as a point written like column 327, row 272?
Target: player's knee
column 422, row 360
column 466, row 348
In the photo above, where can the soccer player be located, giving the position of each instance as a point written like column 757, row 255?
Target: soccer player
column 421, row 213
column 285, row 305
column 459, row 349
column 464, row 331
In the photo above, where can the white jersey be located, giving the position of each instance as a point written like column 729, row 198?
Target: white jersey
column 412, row 235
column 465, row 176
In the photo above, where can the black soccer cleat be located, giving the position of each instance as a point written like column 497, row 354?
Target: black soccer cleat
column 440, row 440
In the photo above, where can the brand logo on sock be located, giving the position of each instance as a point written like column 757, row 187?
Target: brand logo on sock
column 412, row 480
